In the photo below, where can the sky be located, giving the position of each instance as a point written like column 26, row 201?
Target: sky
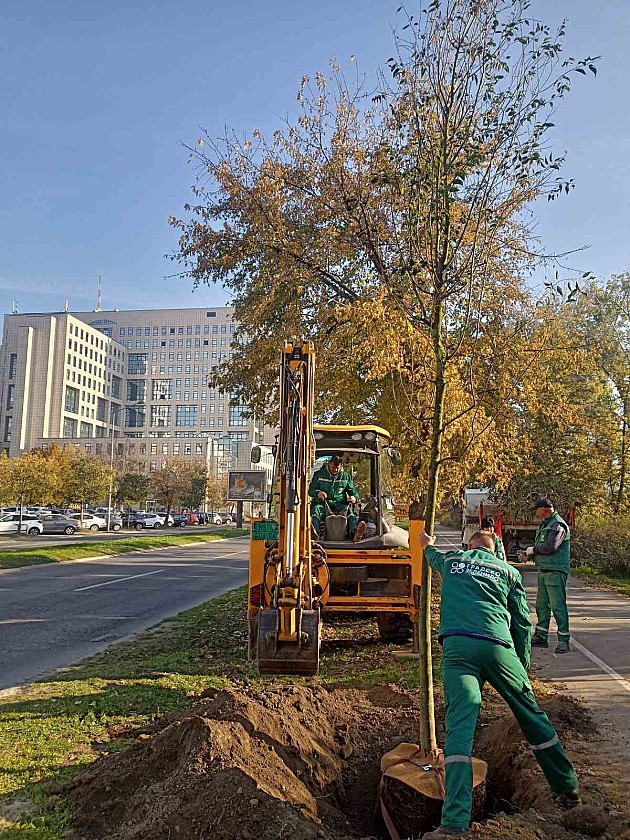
column 99, row 100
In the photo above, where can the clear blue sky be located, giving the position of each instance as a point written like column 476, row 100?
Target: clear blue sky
column 97, row 99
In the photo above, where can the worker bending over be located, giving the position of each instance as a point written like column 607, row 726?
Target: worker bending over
column 485, row 633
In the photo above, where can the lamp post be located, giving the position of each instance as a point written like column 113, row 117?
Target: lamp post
column 113, row 414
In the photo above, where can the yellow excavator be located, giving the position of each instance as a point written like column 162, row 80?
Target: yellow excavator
column 295, row 577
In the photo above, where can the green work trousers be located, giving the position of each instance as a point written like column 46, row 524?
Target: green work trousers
column 552, row 598
column 318, row 511
column 467, row 664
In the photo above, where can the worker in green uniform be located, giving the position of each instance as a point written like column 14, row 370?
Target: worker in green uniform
column 552, row 554
column 485, row 634
column 331, row 485
column 487, row 526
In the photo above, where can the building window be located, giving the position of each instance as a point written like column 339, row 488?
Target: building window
column 116, row 387
column 69, row 427
column 8, row 426
column 165, row 449
column 85, row 430
column 12, row 365
column 211, row 314
column 134, row 417
column 137, row 364
column 153, row 466
column 160, row 416
column 136, row 390
column 10, row 397
column 101, row 409
column 71, row 402
column 186, row 415
column 154, row 449
column 162, row 389
column 198, row 449
column 187, row 449
column 176, row 448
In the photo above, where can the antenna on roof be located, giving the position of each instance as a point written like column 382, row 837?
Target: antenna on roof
column 14, row 307
column 66, row 305
column 99, row 293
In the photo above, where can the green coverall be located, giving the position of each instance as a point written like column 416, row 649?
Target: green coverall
column 553, row 571
column 338, row 489
column 485, row 633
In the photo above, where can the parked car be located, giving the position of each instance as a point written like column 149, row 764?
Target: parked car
column 58, row 523
column 193, row 519
column 147, row 520
column 180, row 520
column 162, row 515
column 115, row 521
column 91, row 521
column 221, row 518
column 30, row 524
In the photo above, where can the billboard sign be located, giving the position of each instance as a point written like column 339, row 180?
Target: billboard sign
column 247, row 486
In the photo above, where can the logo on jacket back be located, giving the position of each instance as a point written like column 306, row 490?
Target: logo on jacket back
column 476, row 570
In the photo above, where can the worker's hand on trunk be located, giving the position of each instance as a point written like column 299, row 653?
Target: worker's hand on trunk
column 322, row 495
column 426, row 539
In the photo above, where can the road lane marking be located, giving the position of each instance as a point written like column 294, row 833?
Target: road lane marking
column 118, row 580
column 601, row 664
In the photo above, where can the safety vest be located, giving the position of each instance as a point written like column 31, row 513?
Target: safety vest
column 560, row 560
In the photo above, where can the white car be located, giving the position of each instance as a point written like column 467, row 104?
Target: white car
column 147, row 520
column 94, row 523
column 30, row 524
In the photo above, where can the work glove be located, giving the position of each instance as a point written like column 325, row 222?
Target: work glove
column 529, row 551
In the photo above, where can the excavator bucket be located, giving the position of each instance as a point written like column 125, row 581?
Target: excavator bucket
column 300, row 657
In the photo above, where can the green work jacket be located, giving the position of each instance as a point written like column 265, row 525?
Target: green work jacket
column 482, row 597
column 498, row 548
column 337, row 487
column 560, row 560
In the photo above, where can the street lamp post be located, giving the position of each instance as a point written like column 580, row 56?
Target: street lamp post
column 113, row 414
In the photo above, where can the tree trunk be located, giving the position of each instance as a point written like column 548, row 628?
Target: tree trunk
column 623, row 458
column 427, row 708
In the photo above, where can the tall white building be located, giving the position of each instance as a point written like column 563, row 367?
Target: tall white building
column 142, row 374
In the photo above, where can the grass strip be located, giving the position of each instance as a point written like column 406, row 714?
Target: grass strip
column 17, row 558
column 54, row 727
column 591, row 575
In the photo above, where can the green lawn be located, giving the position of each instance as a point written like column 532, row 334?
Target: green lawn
column 590, row 575
column 80, row 550
column 58, row 725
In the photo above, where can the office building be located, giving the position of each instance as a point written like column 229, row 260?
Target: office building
column 140, row 375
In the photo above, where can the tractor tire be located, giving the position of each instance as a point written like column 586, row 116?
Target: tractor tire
column 394, row 628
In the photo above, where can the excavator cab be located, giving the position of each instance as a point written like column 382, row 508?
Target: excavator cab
column 367, row 455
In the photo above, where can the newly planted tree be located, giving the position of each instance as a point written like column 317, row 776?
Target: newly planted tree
column 393, row 233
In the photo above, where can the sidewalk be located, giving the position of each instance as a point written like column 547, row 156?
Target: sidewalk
column 597, row 670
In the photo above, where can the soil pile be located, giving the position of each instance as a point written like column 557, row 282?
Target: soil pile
column 298, row 762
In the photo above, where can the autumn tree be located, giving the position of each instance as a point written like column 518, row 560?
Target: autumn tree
column 132, row 488
column 87, row 479
column 393, row 232
column 174, row 481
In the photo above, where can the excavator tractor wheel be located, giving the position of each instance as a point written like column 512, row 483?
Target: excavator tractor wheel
column 394, row 627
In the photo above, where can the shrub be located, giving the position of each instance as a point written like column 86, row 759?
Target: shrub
column 603, row 544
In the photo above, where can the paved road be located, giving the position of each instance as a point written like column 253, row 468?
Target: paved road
column 12, row 543
column 54, row 615
column 598, row 668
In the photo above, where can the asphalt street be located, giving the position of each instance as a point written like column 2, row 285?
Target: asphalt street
column 56, row 614
column 597, row 670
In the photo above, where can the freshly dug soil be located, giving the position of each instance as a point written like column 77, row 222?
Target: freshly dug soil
column 300, row 763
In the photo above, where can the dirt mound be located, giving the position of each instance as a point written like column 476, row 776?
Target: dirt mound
column 300, row 763
column 239, row 764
